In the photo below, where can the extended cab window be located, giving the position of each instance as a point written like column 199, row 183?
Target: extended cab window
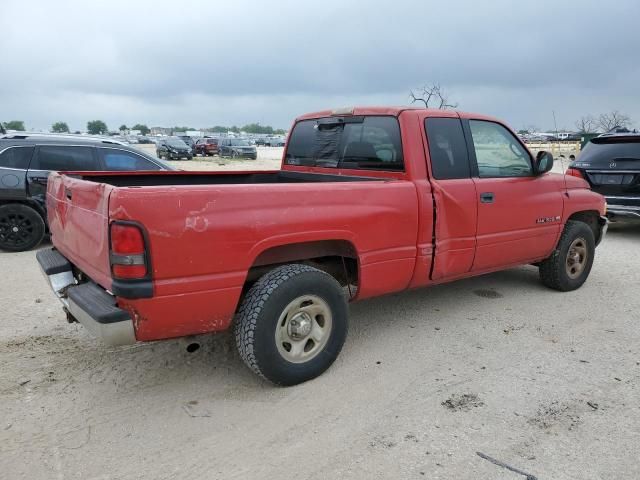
column 64, row 158
column 498, row 152
column 121, row 160
column 447, row 148
column 16, row 157
column 369, row 142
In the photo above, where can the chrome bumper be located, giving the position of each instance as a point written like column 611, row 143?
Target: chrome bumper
column 87, row 302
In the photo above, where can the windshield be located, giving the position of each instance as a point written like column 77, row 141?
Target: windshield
column 176, row 142
column 371, row 143
column 239, row 143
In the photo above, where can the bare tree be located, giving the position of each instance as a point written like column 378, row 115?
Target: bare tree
column 608, row 121
column 587, row 124
column 432, row 96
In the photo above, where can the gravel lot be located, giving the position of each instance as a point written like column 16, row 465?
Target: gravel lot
column 542, row 381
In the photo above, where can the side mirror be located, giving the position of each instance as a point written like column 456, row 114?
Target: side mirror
column 543, row 163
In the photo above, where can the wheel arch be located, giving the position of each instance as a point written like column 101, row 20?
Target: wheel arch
column 591, row 218
column 29, row 203
column 336, row 256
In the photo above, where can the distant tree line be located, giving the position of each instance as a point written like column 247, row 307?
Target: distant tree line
column 99, row 127
column 603, row 122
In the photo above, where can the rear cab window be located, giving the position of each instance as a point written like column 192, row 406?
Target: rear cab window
column 359, row 142
column 16, row 157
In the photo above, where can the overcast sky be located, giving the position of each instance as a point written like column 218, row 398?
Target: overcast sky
column 234, row 62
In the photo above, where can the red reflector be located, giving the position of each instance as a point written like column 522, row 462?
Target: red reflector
column 574, row 173
column 129, row 271
column 126, row 239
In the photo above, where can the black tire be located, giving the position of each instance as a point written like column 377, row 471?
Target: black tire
column 29, row 224
column 260, row 314
column 556, row 271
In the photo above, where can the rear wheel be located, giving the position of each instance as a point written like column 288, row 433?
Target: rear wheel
column 292, row 324
column 21, row 227
column 570, row 263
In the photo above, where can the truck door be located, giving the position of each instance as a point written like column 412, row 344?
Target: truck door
column 454, row 194
column 519, row 213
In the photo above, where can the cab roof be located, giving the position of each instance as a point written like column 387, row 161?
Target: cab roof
column 392, row 110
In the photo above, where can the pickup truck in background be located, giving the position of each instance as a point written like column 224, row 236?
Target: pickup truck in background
column 368, row 201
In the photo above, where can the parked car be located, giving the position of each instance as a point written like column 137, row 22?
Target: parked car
column 172, row 148
column 190, row 143
column 611, row 165
column 274, row 142
column 145, row 140
column 237, row 148
column 25, row 162
column 260, row 141
column 353, row 209
column 207, row 147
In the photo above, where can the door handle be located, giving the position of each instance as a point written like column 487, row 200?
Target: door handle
column 487, row 197
column 68, row 193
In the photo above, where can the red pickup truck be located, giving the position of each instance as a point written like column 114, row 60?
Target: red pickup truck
column 367, row 202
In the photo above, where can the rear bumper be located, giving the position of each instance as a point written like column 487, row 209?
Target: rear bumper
column 87, row 302
column 625, row 207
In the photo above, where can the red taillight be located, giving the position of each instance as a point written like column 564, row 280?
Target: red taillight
column 126, row 239
column 128, row 252
column 574, row 173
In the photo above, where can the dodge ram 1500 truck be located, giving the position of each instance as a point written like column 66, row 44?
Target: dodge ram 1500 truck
column 368, row 201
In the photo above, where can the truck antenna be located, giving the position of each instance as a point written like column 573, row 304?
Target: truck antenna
column 564, row 175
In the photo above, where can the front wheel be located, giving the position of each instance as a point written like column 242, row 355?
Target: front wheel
column 292, row 324
column 570, row 263
column 21, row 227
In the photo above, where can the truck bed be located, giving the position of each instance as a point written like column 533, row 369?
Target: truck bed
column 143, row 179
column 204, row 231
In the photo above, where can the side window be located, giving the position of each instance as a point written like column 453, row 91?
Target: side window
column 64, row 158
column 498, row 153
column 119, row 160
column 16, row 157
column 447, row 148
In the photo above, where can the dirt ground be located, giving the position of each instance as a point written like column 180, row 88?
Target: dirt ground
column 459, row 381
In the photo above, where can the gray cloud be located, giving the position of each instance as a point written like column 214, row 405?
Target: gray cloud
column 206, row 63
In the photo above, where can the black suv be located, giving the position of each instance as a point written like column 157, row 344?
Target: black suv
column 25, row 163
column 237, row 148
column 173, row 148
column 611, row 165
column 191, row 143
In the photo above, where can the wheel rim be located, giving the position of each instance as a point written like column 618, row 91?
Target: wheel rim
column 303, row 329
column 577, row 257
column 16, row 230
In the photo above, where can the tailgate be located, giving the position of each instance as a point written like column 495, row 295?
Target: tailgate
column 78, row 214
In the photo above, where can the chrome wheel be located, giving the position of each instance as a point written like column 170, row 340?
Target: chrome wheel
column 577, row 257
column 303, row 329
